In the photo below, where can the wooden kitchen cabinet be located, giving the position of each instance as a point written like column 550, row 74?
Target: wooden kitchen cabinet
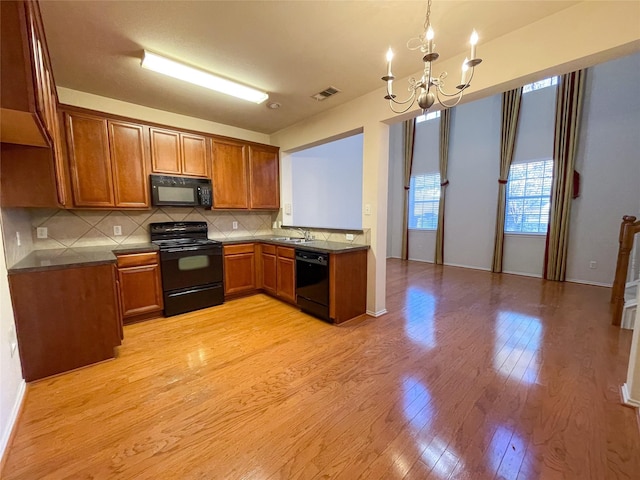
column 230, row 175
column 286, row 274
column 245, row 176
column 269, row 269
column 264, row 178
column 72, row 322
column 108, row 162
column 278, row 272
column 178, row 153
column 347, row 285
column 29, row 112
column 140, row 285
column 239, row 269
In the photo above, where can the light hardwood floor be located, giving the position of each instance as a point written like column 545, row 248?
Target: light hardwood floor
column 470, row 375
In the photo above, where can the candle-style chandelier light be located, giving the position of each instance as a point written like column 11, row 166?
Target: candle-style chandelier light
column 422, row 89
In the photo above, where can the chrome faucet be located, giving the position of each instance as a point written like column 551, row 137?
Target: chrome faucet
column 306, row 233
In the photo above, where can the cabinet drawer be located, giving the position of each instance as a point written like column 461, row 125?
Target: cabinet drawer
column 137, row 259
column 268, row 249
column 286, row 252
column 241, row 248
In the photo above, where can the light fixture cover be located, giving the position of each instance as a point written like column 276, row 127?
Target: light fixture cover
column 171, row 68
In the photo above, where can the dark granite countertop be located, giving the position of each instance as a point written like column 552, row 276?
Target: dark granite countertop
column 58, row 258
column 321, row 246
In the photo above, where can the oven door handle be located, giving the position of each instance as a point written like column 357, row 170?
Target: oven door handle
column 174, row 253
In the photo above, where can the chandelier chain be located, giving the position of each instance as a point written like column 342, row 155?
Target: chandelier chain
column 427, row 19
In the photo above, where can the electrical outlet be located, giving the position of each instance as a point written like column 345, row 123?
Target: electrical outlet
column 348, row 236
column 117, row 230
column 593, row 264
column 367, row 209
column 42, row 232
column 234, row 225
column 13, row 341
column 287, row 209
column 18, row 239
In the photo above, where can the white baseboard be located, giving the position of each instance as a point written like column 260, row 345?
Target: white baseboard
column 484, row 269
column 11, row 424
column 379, row 313
column 587, row 282
column 523, row 274
column 626, row 398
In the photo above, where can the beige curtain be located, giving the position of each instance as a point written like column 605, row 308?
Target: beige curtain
column 568, row 112
column 511, row 101
column 409, row 134
column 445, row 122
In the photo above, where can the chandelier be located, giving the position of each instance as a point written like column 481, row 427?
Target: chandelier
column 422, row 90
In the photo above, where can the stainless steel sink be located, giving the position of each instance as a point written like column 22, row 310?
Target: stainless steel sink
column 291, row 239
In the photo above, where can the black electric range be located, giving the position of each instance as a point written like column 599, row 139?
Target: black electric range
column 191, row 264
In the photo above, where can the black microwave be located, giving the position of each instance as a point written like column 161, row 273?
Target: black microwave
column 180, row 191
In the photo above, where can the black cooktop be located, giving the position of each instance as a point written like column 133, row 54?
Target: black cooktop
column 180, row 234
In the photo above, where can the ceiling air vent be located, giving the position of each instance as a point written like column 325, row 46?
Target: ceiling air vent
column 326, row 93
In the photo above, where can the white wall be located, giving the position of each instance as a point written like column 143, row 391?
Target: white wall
column 608, row 158
column 472, row 195
column 11, row 384
column 326, row 185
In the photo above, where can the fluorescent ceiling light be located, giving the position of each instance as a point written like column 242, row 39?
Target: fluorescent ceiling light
column 163, row 65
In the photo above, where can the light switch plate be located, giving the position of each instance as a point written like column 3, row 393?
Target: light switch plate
column 287, row 209
column 348, row 236
column 117, row 230
column 234, row 225
column 367, row 209
column 42, row 232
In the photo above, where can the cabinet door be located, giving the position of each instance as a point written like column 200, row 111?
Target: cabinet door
column 269, row 269
column 89, row 160
column 165, row 151
column 264, row 179
column 129, row 160
column 195, row 156
column 286, row 277
column 229, row 175
column 140, row 289
column 239, row 273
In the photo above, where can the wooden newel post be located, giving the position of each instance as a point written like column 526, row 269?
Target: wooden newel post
column 625, row 241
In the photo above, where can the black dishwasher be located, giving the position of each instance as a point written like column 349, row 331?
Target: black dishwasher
column 312, row 282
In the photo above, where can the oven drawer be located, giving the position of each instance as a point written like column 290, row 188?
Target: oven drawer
column 137, row 259
column 190, row 299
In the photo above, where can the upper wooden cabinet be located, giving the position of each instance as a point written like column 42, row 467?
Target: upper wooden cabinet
column 29, row 109
column 229, row 175
column 245, row 176
column 107, row 160
column 264, row 178
column 178, row 153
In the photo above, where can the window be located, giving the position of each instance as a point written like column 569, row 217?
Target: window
column 547, row 82
column 529, row 197
column 428, row 116
column 424, row 199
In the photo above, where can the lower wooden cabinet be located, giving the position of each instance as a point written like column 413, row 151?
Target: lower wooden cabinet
column 268, row 270
column 140, row 286
column 286, row 274
column 71, row 322
column 239, row 269
column 347, row 285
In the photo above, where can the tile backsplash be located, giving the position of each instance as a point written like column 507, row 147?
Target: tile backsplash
column 82, row 228
column 85, row 228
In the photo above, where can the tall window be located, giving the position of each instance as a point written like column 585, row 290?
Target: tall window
column 529, row 197
column 428, row 116
column 424, row 198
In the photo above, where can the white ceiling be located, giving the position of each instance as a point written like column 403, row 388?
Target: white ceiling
column 291, row 49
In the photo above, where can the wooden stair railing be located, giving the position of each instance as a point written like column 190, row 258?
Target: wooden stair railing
column 628, row 229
